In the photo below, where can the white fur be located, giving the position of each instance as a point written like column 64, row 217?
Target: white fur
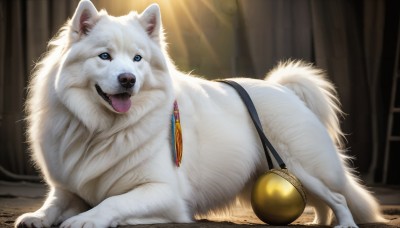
column 106, row 168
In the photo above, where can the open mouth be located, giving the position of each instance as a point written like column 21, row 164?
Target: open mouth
column 120, row 102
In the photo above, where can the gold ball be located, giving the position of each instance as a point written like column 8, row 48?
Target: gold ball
column 278, row 197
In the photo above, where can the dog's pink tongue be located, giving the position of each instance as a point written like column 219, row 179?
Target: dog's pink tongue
column 120, row 102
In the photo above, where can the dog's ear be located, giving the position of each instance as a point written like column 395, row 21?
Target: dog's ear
column 150, row 19
column 84, row 18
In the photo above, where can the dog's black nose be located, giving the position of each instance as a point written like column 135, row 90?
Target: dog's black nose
column 127, row 80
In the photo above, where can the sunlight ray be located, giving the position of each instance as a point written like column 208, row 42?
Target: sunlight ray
column 216, row 13
column 199, row 32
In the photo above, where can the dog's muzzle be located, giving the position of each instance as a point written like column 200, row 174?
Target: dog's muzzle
column 120, row 102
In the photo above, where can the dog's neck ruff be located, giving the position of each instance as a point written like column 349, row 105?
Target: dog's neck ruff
column 176, row 135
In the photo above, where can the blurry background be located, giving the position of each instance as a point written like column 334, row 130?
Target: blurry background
column 356, row 42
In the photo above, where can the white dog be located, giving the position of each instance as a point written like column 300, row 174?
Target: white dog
column 99, row 108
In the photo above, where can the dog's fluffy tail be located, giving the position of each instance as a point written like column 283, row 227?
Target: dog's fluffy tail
column 320, row 96
column 363, row 206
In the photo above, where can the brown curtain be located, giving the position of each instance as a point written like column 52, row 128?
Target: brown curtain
column 12, row 84
column 353, row 41
column 339, row 50
column 25, row 28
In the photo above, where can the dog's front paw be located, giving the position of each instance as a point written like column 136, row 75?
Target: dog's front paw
column 346, row 226
column 85, row 221
column 34, row 219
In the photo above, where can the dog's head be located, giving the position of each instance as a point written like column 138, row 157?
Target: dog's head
column 108, row 61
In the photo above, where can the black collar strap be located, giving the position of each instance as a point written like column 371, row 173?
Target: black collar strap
column 257, row 123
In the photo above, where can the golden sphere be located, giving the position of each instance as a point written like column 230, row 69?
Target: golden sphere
column 278, row 197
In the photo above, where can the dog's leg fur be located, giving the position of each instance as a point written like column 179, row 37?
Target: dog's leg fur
column 323, row 214
column 58, row 206
column 335, row 200
column 134, row 207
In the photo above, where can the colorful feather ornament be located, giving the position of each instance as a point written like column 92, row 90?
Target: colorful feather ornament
column 177, row 146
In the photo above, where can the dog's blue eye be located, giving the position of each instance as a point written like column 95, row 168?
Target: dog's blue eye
column 105, row 56
column 137, row 58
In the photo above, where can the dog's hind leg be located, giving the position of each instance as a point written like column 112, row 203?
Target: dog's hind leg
column 323, row 214
column 334, row 200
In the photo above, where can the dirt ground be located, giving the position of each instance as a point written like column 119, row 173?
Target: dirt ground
column 18, row 198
